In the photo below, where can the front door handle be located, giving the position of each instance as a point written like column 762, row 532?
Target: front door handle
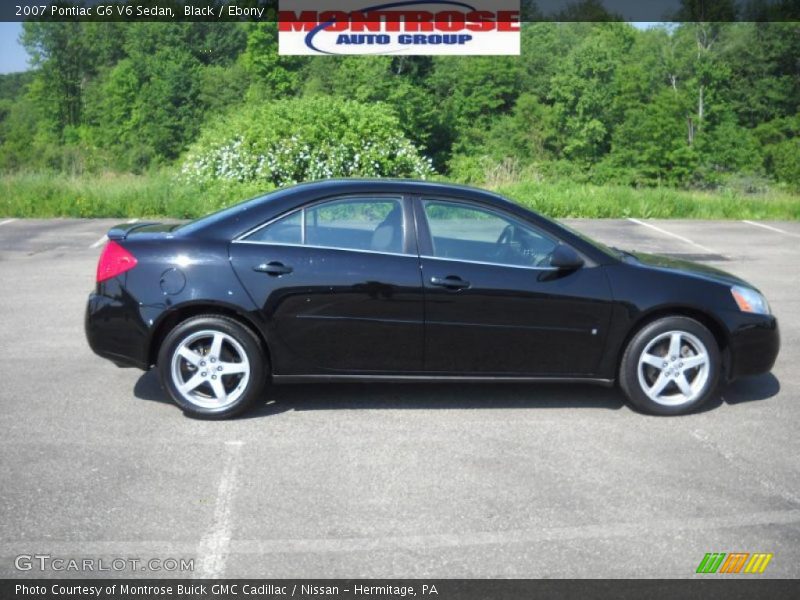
column 451, row 282
column 273, row 268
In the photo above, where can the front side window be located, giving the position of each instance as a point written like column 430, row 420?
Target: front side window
column 461, row 231
column 373, row 224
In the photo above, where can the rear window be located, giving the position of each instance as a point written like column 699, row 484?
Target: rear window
column 223, row 214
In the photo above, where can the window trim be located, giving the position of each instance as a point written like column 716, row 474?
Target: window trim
column 313, row 247
column 488, row 264
column 423, row 224
column 402, row 199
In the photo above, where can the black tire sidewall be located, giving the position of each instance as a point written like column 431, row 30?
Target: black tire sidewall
column 241, row 334
column 629, row 378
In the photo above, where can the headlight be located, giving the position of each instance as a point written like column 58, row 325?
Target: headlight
column 750, row 301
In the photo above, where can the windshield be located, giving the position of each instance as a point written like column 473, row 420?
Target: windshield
column 599, row 245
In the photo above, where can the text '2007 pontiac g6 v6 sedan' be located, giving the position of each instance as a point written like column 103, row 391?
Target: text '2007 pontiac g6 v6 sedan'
column 372, row 280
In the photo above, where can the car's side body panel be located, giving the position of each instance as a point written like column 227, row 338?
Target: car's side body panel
column 642, row 293
column 337, row 310
column 507, row 320
column 172, row 275
column 515, row 321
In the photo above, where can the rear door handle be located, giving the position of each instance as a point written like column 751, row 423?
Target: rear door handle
column 450, row 282
column 273, row 268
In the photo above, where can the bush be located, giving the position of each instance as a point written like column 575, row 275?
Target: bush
column 785, row 159
column 289, row 141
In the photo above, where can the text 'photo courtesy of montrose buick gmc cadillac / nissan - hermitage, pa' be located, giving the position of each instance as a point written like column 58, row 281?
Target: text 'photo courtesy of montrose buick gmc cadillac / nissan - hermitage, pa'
column 393, row 280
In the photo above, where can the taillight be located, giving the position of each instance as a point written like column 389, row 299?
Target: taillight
column 114, row 260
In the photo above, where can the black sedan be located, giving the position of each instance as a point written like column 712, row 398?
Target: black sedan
column 364, row 280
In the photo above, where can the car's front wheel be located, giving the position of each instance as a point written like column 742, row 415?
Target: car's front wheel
column 212, row 367
column 671, row 366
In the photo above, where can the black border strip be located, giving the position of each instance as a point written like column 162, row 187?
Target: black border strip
column 531, row 10
column 732, row 588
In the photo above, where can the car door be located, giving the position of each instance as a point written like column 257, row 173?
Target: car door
column 493, row 304
column 339, row 285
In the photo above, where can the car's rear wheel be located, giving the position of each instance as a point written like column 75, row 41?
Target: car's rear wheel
column 212, row 367
column 671, row 366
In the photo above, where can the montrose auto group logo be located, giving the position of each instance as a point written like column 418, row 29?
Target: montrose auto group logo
column 402, row 27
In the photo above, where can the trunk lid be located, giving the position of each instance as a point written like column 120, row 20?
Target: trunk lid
column 123, row 230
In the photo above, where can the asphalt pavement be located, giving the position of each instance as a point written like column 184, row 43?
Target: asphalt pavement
column 404, row 480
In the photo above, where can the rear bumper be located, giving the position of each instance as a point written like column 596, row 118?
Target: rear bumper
column 115, row 331
column 755, row 342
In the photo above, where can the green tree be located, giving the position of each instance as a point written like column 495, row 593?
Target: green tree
column 651, row 146
column 147, row 107
column 273, row 76
column 583, row 92
column 60, row 54
column 393, row 80
column 470, row 92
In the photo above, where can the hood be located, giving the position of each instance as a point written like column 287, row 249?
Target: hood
column 686, row 267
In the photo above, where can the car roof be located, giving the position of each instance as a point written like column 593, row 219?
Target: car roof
column 389, row 184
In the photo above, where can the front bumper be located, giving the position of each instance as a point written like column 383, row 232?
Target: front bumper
column 115, row 331
column 755, row 342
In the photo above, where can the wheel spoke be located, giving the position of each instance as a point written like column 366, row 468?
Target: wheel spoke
column 659, row 385
column 684, row 385
column 675, row 344
column 653, row 360
column 691, row 362
column 193, row 383
column 190, row 356
column 216, row 346
column 233, row 368
column 219, row 390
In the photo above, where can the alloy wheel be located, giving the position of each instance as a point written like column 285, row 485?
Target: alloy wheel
column 674, row 368
column 210, row 369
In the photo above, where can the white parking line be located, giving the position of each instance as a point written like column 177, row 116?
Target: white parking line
column 104, row 239
column 99, row 242
column 215, row 545
column 674, row 235
column 7, row 221
column 770, row 227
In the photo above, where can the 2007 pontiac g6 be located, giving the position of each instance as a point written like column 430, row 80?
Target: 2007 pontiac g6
column 374, row 280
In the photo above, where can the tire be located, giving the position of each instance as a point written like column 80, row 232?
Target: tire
column 660, row 380
column 212, row 367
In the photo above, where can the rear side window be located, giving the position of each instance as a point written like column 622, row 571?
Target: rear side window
column 371, row 224
column 287, row 230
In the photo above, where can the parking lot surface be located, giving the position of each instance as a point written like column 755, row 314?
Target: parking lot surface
column 403, row 480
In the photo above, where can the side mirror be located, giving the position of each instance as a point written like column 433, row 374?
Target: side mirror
column 565, row 258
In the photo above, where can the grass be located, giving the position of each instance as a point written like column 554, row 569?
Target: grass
column 160, row 194
column 566, row 199
column 46, row 195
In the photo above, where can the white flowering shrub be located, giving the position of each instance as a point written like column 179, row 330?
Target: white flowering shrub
column 289, row 141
